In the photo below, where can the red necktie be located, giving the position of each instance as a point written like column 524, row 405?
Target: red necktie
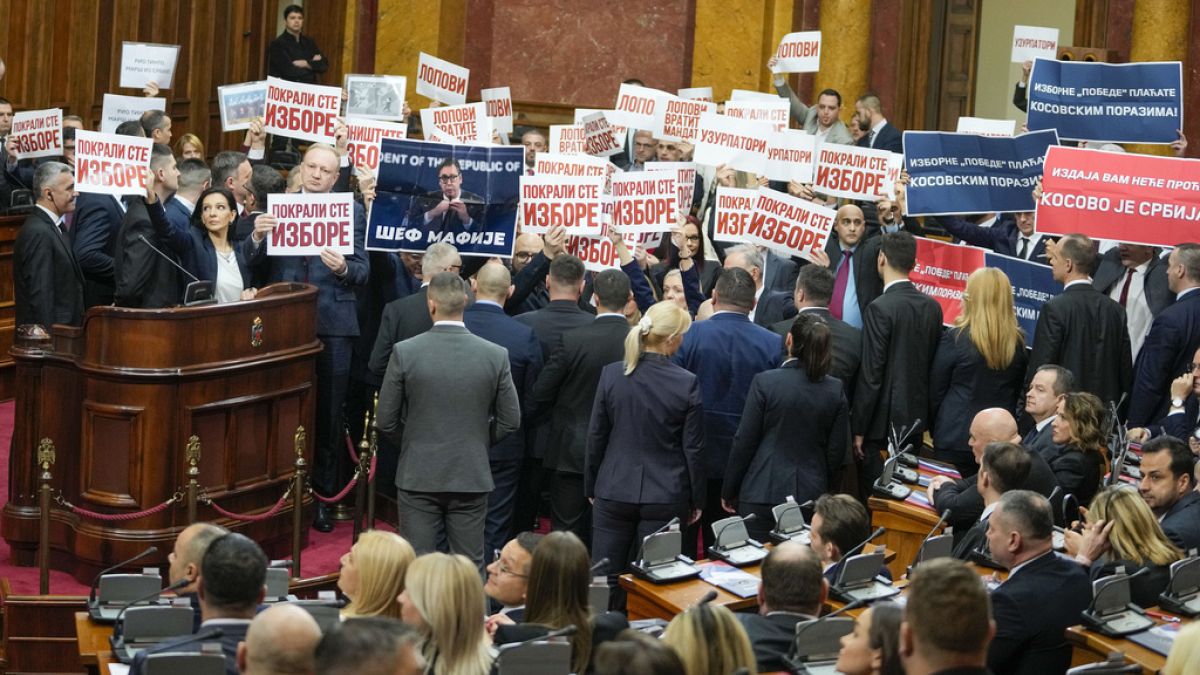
column 1125, row 288
column 839, row 285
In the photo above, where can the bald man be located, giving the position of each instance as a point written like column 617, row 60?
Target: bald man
column 961, row 497
column 851, row 258
column 184, row 561
column 282, row 640
column 792, row 590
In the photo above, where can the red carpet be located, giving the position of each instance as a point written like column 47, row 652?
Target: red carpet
column 319, row 558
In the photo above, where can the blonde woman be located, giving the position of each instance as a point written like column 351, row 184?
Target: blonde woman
column 189, row 146
column 372, row 574
column 980, row 364
column 710, row 641
column 642, row 466
column 1184, row 658
column 444, row 601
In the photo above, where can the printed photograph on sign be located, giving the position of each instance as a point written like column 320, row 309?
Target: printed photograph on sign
column 143, row 63
column 240, row 104
column 464, row 195
column 376, row 97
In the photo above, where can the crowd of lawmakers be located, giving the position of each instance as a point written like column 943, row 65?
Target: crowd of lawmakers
column 698, row 380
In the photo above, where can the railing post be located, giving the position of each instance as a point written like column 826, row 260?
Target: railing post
column 364, row 466
column 373, row 449
column 45, row 457
column 298, row 500
column 192, row 453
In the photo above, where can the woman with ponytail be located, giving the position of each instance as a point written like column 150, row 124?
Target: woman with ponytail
column 794, row 432
column 643, row 450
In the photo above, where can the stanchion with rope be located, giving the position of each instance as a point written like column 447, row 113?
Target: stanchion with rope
column 297, row 499
column 192, row 453
column 45, row 457
column 360, row 495
column 374, row 449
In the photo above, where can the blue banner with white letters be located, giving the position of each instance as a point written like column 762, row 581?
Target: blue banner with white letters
column 1033, row 284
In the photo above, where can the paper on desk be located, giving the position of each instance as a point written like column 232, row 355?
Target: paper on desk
column 729, row 578
column 118, row 669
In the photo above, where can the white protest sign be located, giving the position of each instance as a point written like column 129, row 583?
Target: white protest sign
column 697, row 94
column 308, row 112
column 1034, row 42
column 559, row 164
column 118, row 109
column 109, row 164
column 749, row 95
column 982, row 126
column 791, row 156
column 850, row 171
column 895, row 166
column 568, row 139
column 598, row 136
column 679, row 118
column 786, row 223
column 457, row 124
column 573, row 203
column 740, row 144
column 441, row 80
column 799, row 53
column 310, row 223
column 636, row 106
column 362, row 140
column 735, row 206
column 619, row 131
column 775, row 111
column 645, row 201
column 600, row 253
column 143, row 63
column 38, row 133
column 499, row 107
column 685, row 181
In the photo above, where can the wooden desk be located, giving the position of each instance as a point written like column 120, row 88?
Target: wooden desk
column 1088, row 646
column 92, row 640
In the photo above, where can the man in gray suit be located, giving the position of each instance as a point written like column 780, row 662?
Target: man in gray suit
column 822, row 120
column 447, row 397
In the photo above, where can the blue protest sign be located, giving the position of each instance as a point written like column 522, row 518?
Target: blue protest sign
column 1114, row 102
column 465, row 195
column 966, row 173
column 1033, row 284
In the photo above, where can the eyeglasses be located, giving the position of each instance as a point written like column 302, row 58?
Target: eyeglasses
column 1193, row 367
column 505, row 569
column 449, row 179
column 522, row 255
column 692, row 237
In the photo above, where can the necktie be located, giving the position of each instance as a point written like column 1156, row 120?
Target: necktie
column 871, row 139
column 839, row 285
column 1125, row 288
column 1023, row 254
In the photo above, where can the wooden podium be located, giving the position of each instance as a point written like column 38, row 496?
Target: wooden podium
column 121, row 397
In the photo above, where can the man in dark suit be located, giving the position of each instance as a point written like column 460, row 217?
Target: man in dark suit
column 814, row 288
column 185, row 558
column 1081, row 329
column 336, row 276
column 281, row 639
column 446, row 399
column 1174, row 336
column 232, row 574
column 852, row 259
column 1049, row 384
column 232, row 170
column 1136, row 277
column 567, row 387
column 293, row 55
column 1169, row 488
column 779, row 273
column 725, row 352
column 947, row 623
column 486, row 318
column 1003, row 467
column 770, row 306
column 1011, row 234
column 409, row 316
column 93, row 233
column 839, row 524
column 507, row 579
column 881, row 135
column 449, row 209
column 47, row 282
column 1043, row 594
column 901, row 329
column 145, row 277
column 792, row 590
column 194, row 178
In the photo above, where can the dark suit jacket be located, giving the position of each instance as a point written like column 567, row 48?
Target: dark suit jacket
column 177, row 214
column 144, row 278
column 791, row 440
column 725, row 352
column 1003, row 237
column 568, row 387
column 962, row 384
column 489, row 322
column 1084, row 331
column 847, row 346
column 402, row 319
column 1182, row 523
column 551, row 321
column 47, row 282
column 1033, row 610
column 1170, row 345
column 1110, row 272
column 888, row 138
column 449, row 221
column 781, row 274
column 901, row 330
column 1041, row 442
column 645, row 439
column 1077, row 472
column 970, row 540
column 867, row 282
column 771, row 637
column 605, row 627
column 529, row 286
column 1143, row 590
column 97, row 220
column 233, row 634
column 773, row 307
column 198, row 255
column 966, row 504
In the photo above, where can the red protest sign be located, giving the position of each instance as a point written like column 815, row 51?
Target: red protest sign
column 645, row 201
column 941, row 273
column 305, row 111
column 310, row 223
column 851, row 172
column 599, row 138
column 735, row 208
column 1139, row 199
column 573, row 203
column 362, row 140
column 110, row 164
column 788, row 224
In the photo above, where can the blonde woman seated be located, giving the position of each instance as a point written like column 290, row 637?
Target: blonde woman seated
column 372, row 575
column 444, row 601
column 710, row 641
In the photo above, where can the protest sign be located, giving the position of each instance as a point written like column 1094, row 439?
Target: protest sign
column 573, row 203
column 636, row 106
column 696, row 94
column 774, row 111
column 645, row 201
column 618, row 130
column 118, row 109
column 799, row 53
column 1034, row 42
column 598, row 136
column 362, row 140
column 241, row 103
column 38, row 133
column 109, row 164
column 941, row 273
column 750, row 95
column 1114, row 102
column 557, row 164
column 685, row 177
column 789, row 224
column 1138, row 199
column 790, row 156
column 851, row 172
column 457, row 124
column 475, row 208
column 982, row 126
column 679, row 118
column 735, row 207
column 143, row 63
column 895, row 166
column 739, row 144
column 376, row 97
column 568, row 139
column 310, row 223
column 441, row 80
column 1033, row 285
column 600, row 253
column 308, row 112
column 499, row 108
column 964, row 173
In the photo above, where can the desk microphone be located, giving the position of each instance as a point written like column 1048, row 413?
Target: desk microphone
column 863, row 543
column 920, row 549
column 717, row 544
column 169, row 589
column 599, row 565
column 206, row 634
column 845, row 608
column 166, row 257
column 642, row 549
column 96, row 582
column 707, row 598
column 565, row 631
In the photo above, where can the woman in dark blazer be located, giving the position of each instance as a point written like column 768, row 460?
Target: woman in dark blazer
column 689, row 236
column 643, row 465
column 205, row 249
column 794, row 431
column 1077, row 459
column 980, row 364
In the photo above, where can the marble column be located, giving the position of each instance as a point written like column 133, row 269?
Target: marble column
column 845, row 50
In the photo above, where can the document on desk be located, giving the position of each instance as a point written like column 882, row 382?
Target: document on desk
column 1158, row 639
column 730, row 578
column 118, row 669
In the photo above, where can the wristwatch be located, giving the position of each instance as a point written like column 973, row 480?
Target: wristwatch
column 1176, row 404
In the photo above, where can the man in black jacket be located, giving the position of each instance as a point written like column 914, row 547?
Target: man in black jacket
column 947, row 626
column 814, row 288
column 792, row 590
column 1169, row 488
column 47, row 282
column 293, row 56
column 1004, row 467
column 145, row 277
